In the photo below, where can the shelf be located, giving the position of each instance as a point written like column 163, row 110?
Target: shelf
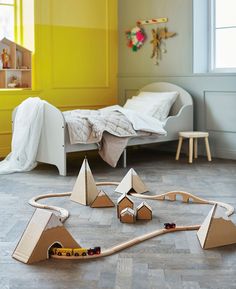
column 18, row 57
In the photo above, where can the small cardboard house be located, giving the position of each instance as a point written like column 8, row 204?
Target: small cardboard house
column 85, row 190
column 131, row 182
column 124, row 202
column 216, row 231
column 127, row 216
column 102, row 201
column 144, row 212
column 43, row 231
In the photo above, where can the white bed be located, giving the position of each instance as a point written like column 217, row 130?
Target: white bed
column 55, row 144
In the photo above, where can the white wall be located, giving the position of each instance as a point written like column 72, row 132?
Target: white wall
column 214, row 95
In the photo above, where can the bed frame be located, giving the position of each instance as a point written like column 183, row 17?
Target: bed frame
column 54, row 141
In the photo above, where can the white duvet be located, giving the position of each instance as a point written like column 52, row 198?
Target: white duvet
column 25, row 139
column 140, row 122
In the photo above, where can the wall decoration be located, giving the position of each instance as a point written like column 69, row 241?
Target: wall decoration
column 157, row 42
column 136, row 38
column 152, row 21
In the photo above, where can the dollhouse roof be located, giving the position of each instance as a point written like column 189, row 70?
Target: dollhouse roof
column 144, row 204
column 10, row 42
column 127, row 211
column 122, row 197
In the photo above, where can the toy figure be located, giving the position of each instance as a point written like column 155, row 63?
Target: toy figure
column 5, row 59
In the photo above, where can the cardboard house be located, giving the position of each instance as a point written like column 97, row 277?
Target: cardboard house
column 85, row 190
column 127, row 216
column 124, row 201
column 43, row 231
column 144, row 212
column 102, row 201
column 216, row 231
column 131, row 182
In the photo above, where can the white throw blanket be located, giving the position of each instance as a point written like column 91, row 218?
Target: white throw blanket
column 25, row 139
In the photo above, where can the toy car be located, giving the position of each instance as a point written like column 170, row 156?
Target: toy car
column 169, row 225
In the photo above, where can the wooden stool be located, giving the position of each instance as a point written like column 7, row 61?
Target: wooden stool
column 193, row 136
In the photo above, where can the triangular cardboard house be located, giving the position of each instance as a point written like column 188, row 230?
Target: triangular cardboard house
column 144, row 212
column 127, row 216
column 102, row 201
column 43, row 231
column 85, row 190
column 131, row 181
column 124, row 202
column 216, row 231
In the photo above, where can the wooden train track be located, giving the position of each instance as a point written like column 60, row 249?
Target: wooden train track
column 127, row 244
column 171, row 196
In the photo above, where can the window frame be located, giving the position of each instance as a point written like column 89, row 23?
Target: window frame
column 212, row 43
column 17, row 7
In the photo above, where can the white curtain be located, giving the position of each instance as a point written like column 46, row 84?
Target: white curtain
column 25, row 140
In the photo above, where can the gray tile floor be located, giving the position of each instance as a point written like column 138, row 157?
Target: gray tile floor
column 170, row 261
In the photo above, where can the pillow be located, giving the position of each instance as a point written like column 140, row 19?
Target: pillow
column 155, row 104
column 140, row 106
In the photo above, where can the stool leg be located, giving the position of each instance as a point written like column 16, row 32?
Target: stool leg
column 190, row 160
column 179, row 148
column 195, row 148
column 208, row 149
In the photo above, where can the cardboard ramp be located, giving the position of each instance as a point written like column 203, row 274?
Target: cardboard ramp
column 102, row 201
column 43, row 230
column 85, row 190
column 131, row 181
column 216, row 231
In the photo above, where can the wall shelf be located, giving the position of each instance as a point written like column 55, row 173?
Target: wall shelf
column 20, row 66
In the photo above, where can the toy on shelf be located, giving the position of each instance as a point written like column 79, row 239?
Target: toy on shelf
column 144, row 212
column 124, row 202
column 131, row 182
column 127, row 215
column 216, row 231
column 169, row 226
column 14, row 82
column 43, row 232
column 85, row 190
column 5, row 59
column 102, row 201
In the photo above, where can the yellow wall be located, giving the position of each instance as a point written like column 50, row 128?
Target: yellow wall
column 75, row 57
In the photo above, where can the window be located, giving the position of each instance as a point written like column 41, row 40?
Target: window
column 7, row 19
column 223, row 32
column 214, row 36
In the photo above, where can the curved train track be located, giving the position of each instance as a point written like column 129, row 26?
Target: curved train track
column 127, row 244
column 171, row 196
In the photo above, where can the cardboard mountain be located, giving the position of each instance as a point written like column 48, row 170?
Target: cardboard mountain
column 43, row 231
column 131, row 181
column 102, row 201
column 216, row 231
column 85, row 190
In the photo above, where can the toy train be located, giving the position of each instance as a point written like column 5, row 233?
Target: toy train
column 169, row 225
column 76, row 251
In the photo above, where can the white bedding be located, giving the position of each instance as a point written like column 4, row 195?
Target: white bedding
column 111, row 127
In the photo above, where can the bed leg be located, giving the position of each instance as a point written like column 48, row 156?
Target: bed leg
column 124, row 159
column 62, row 166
